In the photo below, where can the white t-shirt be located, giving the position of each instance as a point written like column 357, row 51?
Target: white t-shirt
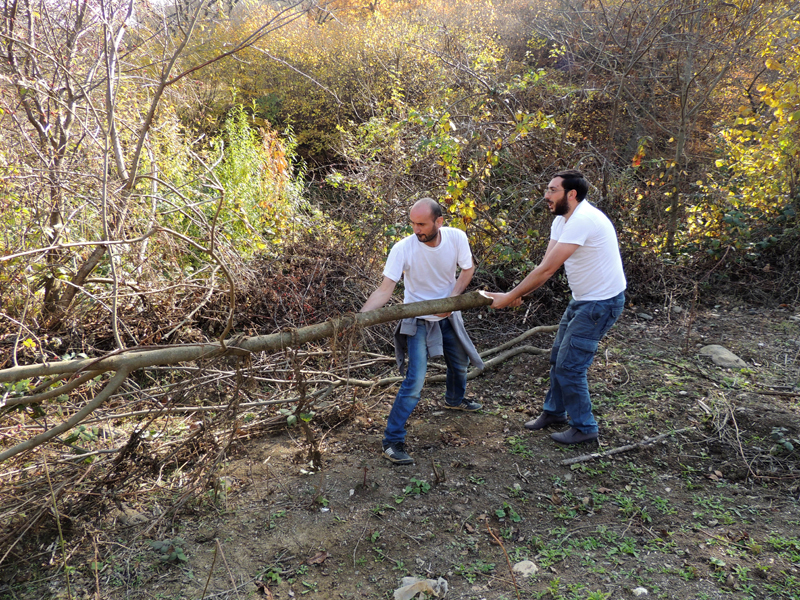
column 594, row 271
column 429, row 273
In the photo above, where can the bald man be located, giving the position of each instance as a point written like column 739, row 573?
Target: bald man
column 428, row 262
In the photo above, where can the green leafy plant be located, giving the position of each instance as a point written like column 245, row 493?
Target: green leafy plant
column 83, row 434
column 717, row 563
column 170, row 550
column 471, row 571
column 787, row 547
column 507, row 512
column 783, row 443
column 273, row 517
column 417, row 487
column 518, row 447
column 271, row 574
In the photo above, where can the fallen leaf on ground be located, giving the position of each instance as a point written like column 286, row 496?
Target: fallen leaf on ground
column 318, row 558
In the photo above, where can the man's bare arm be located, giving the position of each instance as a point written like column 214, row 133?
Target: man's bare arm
column 380, row 296
column 555, row 256
column 463, row 280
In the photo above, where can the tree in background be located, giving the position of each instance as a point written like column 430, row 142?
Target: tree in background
column 96, row 161
column 759, row 167
column 664, row 76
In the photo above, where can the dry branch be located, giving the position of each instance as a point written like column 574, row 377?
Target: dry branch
column 127, row 361
column 139, row 358
column 644, row 442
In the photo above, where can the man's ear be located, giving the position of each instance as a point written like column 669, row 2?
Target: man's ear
column 439, row 221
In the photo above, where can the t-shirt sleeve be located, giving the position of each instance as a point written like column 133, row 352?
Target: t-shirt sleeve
column 395, row 263
column 576, row 231
column 464, row 252
column 555, row 228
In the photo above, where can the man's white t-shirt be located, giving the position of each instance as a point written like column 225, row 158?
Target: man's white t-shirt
column 429, row 273
column 594, row 271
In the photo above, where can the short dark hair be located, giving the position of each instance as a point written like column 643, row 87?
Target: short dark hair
column 433, row 205
column 574, row 180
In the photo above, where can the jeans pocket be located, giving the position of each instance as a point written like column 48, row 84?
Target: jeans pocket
column 580, row 353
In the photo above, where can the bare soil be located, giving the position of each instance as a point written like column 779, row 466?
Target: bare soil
column 711, row 510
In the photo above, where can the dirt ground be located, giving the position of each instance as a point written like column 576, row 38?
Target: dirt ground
column 709, row 510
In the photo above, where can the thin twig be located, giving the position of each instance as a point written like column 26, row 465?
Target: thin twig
column 210, row 571
column 230, row 574
column 644, row 442
column 508, row 561
column 57, row 517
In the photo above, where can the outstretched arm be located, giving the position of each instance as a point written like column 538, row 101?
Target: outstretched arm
column 380, row 296
column 463, row 280
column 461, row 284
column 555, row 256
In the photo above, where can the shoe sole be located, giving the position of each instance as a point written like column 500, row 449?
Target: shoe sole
column 398, row 462
column 545, row 426
column 462, row 409
column 594, row 439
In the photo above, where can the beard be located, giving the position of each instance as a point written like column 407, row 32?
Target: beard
column 560, row 207
column 427, row 238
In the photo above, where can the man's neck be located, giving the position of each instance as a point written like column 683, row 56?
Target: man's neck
column 571, row 211
column 435, row 241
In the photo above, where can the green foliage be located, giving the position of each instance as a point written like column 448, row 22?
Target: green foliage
column 783, row 443
column 82, row 433
column 256, row 174
column 507, row 512
column 472, row 571
column 417, row 487
column 519, row 447
column 787, row 547
column 170, row 550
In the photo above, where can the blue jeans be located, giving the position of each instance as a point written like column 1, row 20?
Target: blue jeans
column 408, row 395
column 581, row 328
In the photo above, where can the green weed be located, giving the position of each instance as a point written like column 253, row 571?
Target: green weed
column 519, row 447
column 171, row 550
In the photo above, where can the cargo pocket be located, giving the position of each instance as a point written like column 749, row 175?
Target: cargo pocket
column 611, row 318
column 580, row 354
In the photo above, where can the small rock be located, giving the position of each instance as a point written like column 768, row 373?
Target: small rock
column 526, row 568
column 722, row 357
column 677, row 309
column 640, row 591
column 413, row 587
column 645, row 316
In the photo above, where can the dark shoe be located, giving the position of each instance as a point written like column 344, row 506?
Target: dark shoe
column 396, row 453
column 465, row 405
column 545, row 420
column 573, row 436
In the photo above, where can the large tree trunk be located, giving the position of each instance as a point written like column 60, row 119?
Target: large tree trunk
column 134, row 358
column 124, row 363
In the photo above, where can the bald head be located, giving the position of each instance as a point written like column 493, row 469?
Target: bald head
column 429, row 205
column 426, row 220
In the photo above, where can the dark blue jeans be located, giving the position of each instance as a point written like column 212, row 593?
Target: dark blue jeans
column 408, row 395
column 581, row 328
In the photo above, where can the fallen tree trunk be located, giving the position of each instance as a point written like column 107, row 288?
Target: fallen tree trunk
column 125, row 362
column 139, row 358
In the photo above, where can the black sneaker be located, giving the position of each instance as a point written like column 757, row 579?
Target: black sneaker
column 396, row 452
column 466, row 405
